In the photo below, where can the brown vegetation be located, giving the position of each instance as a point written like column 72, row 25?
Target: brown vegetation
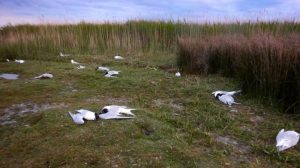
column 266, row 64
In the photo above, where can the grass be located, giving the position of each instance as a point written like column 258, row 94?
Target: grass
column 177, row 125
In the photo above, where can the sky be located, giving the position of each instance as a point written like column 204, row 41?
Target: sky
column 98, row 11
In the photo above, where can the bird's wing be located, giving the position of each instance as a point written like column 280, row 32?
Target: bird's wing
column 113, row 72
column 107, row 117
column 293, row 137
column 126, row 111
column 38, row 77
column 109, row 76
column 217, row 92
column 71, row 114
column 233, row 92
column 84, row 111
column 280, row 135
column 225, row 99
column 77, row 118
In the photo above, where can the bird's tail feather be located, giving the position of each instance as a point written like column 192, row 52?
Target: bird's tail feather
column 236, row 103
column 128, row 111
column 71, row 114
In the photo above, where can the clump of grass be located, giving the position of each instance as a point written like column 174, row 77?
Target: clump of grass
column 267, row 64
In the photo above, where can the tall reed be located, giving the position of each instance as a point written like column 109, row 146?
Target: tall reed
column 45, row 41
column 267, row 64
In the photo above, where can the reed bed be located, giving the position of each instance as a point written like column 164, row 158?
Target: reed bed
column 267, row 64
column 45, row 41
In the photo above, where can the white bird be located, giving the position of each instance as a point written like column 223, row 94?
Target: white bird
column 77, row 118
column 63, row 55
column 111, row 74
column 74, row 62
column 80, row 67
column 88, row 115
column 116, row 112
column 19, row 61
column 177, row 74
column 101, row 68
column 117, row 57
column 7, row 60
column 226, row 99
column 286, row 139
column 44, row 76
column 231, row 93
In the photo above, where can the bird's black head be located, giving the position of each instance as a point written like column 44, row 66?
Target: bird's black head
column 105, row 110
column 219, row 94
column 96, row 116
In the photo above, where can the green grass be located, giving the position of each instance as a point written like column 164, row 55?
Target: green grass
column 180, row 114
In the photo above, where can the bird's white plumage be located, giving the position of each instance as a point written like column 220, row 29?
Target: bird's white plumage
column 44, row 76
column 112, row 74
column 227, row 99
column 81, row 67
column 86, row 114
column 177, row 74
column 231, row 93
column 117, row 57
column 286, row 139
column 74, row 62
column 77, row 118
column 19, row 61
column 63, row 55
column 101, row 68
column 116, row 112
column 7, row 60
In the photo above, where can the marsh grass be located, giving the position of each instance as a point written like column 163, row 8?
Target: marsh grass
column 43, row 42
column 267, row 64
column 177, row 137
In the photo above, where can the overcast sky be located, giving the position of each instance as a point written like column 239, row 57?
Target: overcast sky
column 73, row 11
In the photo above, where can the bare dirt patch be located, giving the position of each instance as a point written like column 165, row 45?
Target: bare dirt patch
column 238, row 146
column 9, row 114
